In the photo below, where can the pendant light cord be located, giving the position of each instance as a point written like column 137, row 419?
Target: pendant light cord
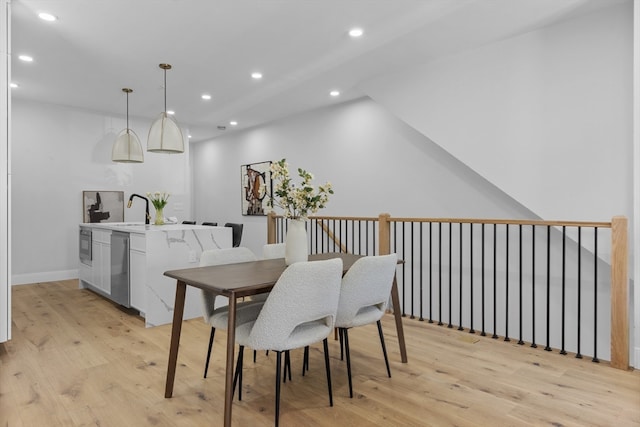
column 127, row 112
column 165, row 91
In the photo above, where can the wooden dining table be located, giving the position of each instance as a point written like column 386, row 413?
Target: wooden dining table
column 242, row 280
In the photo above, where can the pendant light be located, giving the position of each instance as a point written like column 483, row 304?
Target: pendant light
column 165, row 135
column 127, row 148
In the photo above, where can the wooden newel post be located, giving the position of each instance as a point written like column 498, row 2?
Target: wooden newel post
column 384, row 234
column 271, row 227
column 619, row 293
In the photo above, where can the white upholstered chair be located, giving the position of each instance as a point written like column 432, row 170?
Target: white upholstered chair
column 364, row 295
column 300, row 311
column 218, row 317
column 273, row 250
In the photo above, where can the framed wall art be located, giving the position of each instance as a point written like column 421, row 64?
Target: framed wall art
column 256, row 188
column 103, row 206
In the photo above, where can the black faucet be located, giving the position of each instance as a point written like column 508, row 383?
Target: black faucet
column 146, row 218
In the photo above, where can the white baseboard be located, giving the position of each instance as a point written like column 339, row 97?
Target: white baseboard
column 635, row 363
column 46, row 276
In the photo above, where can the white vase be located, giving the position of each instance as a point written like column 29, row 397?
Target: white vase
column 159, row 216
column 296, row 249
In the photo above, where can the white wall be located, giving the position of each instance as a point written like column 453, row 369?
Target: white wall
column 376, row 163
column 57, row 153
column 546, row 116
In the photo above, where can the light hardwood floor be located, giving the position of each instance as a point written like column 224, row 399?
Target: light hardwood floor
column 77, row 360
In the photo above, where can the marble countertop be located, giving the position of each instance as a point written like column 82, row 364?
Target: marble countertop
column 142, row 228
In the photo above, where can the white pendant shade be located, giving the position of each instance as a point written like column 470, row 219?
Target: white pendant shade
column 127, row 148
column 165, row 136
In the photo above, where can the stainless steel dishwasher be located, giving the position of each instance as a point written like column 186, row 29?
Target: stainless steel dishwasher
column 120, row 268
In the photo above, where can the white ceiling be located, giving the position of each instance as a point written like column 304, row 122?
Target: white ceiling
column 98, row 47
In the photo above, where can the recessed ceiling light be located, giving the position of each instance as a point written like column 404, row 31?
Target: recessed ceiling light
column 171, row 112
column 47, row 17
column 206, row 96
column 334, row 93
column 233, row 123
column 25, row 58
column 256, row 75
column 189, row 136
column 356, row 32
column 13, row 85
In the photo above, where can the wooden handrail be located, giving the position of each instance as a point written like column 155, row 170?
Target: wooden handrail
column 552, row 223
column 506, row 221
column 345, row 218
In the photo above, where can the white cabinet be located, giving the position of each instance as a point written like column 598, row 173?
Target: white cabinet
column 138, row 271
column 98, row 274
column 86, row 272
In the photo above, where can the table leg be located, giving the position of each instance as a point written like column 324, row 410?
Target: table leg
column 231, row 342
column 178, row 310
column 395, row 302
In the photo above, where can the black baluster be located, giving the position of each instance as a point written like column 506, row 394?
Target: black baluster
column 450, row 278
column 471, row 330
column 430, row 273
column 520, row 341
column 548, row 347
column 495, row 284
column 333, row 228
column 366, row 230
column 460, row 328
column 421, row 282
column 564, row 260
column 412, row 270
column 483, row 333
column 440, row 274
column 404, row 238
column 595, row 296
column 353, row 237
column 533, row 286
column 578, row 355
column 506, row 286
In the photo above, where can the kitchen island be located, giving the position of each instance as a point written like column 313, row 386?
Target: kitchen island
column 125, row 262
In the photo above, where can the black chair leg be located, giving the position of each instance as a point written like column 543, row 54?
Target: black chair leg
column 346, row 350
column 341, row 343
column 278, row 369
column 328, row 368
column 237, row 377
column 206, row 365
column 287, row 366
column 305, row 360
column 384, row 348
column 254, row 355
